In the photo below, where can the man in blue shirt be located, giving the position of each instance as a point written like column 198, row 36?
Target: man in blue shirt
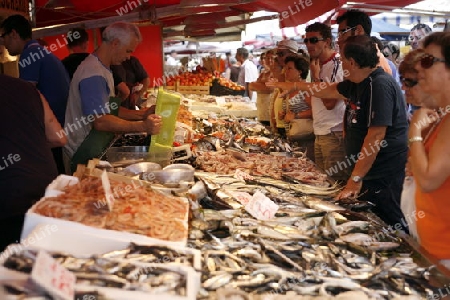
column 39, row 66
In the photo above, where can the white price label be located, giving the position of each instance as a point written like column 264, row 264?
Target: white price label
column 241, row 175
column 107, row 188
column 243, row 197
column 261, row 207
column 220, row 101
column 54, row 278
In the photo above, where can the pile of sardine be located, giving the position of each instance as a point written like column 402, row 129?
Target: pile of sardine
column 127, row 269
column 311, row 247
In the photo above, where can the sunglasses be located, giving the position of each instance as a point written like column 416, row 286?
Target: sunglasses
column 428, row 60
column 312, row 40
column 408, row 82
column 344, row 31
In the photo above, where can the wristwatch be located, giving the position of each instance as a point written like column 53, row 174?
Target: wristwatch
column 356, row 179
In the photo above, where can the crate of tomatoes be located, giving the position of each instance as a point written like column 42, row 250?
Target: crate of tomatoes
column 223, row 87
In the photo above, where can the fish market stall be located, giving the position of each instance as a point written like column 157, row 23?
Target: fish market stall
column 254, row 233
column 236, row 214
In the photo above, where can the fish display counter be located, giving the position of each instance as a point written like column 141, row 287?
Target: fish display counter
column 245, row 216
column 256, row 231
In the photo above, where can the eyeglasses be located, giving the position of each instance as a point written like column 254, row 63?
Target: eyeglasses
column 344, row 31
column 312, row 40
column 428, row 60
column 408, row 82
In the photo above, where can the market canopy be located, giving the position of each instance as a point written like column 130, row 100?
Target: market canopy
column 186, row 18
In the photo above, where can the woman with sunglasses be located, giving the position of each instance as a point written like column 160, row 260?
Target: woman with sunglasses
column 430, row 159
column 408, row 78
column 414, row 96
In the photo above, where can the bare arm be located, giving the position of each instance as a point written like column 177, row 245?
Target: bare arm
column 151, row 124
column 123, row 91
column 53, row 130
column 433, row 169
column 330, row 103
column 315, row 77
column 146, row 83
column 306, row 114
column 320, row 90
column 368, row 153
column 260, row 86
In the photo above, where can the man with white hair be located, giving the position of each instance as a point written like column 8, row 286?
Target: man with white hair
column 93, row 115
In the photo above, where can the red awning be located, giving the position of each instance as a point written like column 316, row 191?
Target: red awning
column 198, row 19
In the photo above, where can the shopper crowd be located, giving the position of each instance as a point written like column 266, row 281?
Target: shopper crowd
column 346, row 102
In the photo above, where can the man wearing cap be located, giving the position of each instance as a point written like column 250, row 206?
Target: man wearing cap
column 249, row 72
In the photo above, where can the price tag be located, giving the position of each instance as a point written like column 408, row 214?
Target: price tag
column 54, row 278
column 261, row 207
column 107, row 188
column 243, row 197
column 241, row 175
column 220, row 101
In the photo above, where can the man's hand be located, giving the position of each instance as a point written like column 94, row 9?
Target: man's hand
column 315, row 68
column 134, row 99
column 149, row 111
column 153, row 124
column 351, row 189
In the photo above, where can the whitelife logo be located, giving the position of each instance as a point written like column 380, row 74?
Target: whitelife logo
column 131, row 5
column 43, row 51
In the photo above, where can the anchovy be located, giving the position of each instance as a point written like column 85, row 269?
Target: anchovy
column 217, row 281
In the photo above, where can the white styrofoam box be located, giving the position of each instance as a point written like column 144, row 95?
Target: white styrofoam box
column 85, row 243
column 55, row 188
column 193, row 282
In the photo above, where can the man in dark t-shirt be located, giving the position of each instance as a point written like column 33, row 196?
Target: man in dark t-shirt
column 78, row 49
column 132, row 73
column 39, row 66
column 28, row 128
column 375, row 129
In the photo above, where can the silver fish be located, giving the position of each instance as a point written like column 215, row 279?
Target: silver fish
column 217, row 281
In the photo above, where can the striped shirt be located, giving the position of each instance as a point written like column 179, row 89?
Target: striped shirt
column 296, row 104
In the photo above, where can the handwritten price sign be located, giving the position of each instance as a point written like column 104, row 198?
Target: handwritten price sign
column 243, row 197
column 261, row 207
column 107, row 188
column 54, row 278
